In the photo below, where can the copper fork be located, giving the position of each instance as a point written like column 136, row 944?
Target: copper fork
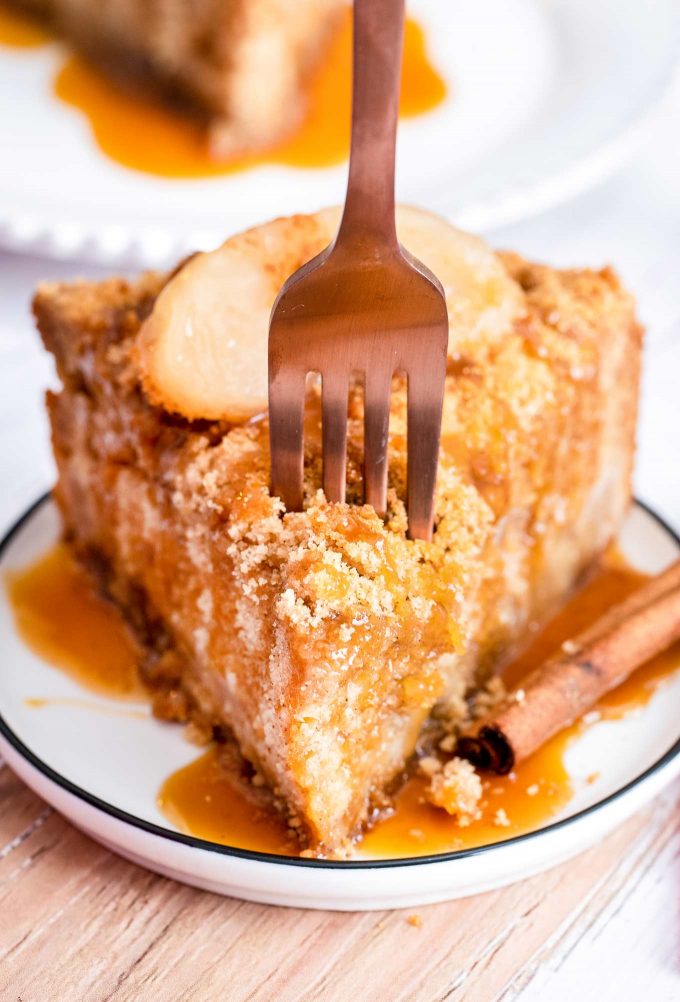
column 363, row 307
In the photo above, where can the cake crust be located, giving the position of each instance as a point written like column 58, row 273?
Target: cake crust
column 325, row 640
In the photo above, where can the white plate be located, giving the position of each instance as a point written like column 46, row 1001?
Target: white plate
column 102, row 771
column 546, row 98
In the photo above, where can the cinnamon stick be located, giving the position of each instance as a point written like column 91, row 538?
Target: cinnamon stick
column 557, row 693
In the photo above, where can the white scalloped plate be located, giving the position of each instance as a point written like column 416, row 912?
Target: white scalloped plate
column 102, row 770
column 546, row 98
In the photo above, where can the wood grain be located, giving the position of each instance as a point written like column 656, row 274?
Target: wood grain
column 77, row 924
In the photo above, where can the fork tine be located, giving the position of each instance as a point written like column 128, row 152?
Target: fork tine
column 334, row 404
column 425, row 401
column 286, row 421
column 377, row 387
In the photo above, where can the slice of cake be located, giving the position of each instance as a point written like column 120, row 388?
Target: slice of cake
column 238, row 66
column 324, row 641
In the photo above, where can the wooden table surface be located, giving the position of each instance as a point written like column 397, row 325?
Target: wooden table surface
column 78, row 924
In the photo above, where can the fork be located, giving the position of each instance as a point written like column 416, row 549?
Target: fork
column 363, row 306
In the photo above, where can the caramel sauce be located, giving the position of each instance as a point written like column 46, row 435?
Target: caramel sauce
column 17, row 32
column 201, row 800
column 64, row 621
column 417, row 828
column 88, row 705
column 144, row 136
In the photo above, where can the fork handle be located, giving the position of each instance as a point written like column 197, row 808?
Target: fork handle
column 378, row 43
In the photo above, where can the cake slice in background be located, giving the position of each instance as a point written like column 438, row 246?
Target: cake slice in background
column 237, row 66
column 324, row 641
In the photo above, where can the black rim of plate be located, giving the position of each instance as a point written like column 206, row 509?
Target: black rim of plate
column 266, row 857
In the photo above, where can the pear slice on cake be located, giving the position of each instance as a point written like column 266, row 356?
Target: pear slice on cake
column 202, row 352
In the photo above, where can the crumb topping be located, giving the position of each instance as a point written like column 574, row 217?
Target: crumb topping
column 456, row 787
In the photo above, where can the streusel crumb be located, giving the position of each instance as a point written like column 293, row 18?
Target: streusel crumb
column 458, row 789
column 501, row 819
